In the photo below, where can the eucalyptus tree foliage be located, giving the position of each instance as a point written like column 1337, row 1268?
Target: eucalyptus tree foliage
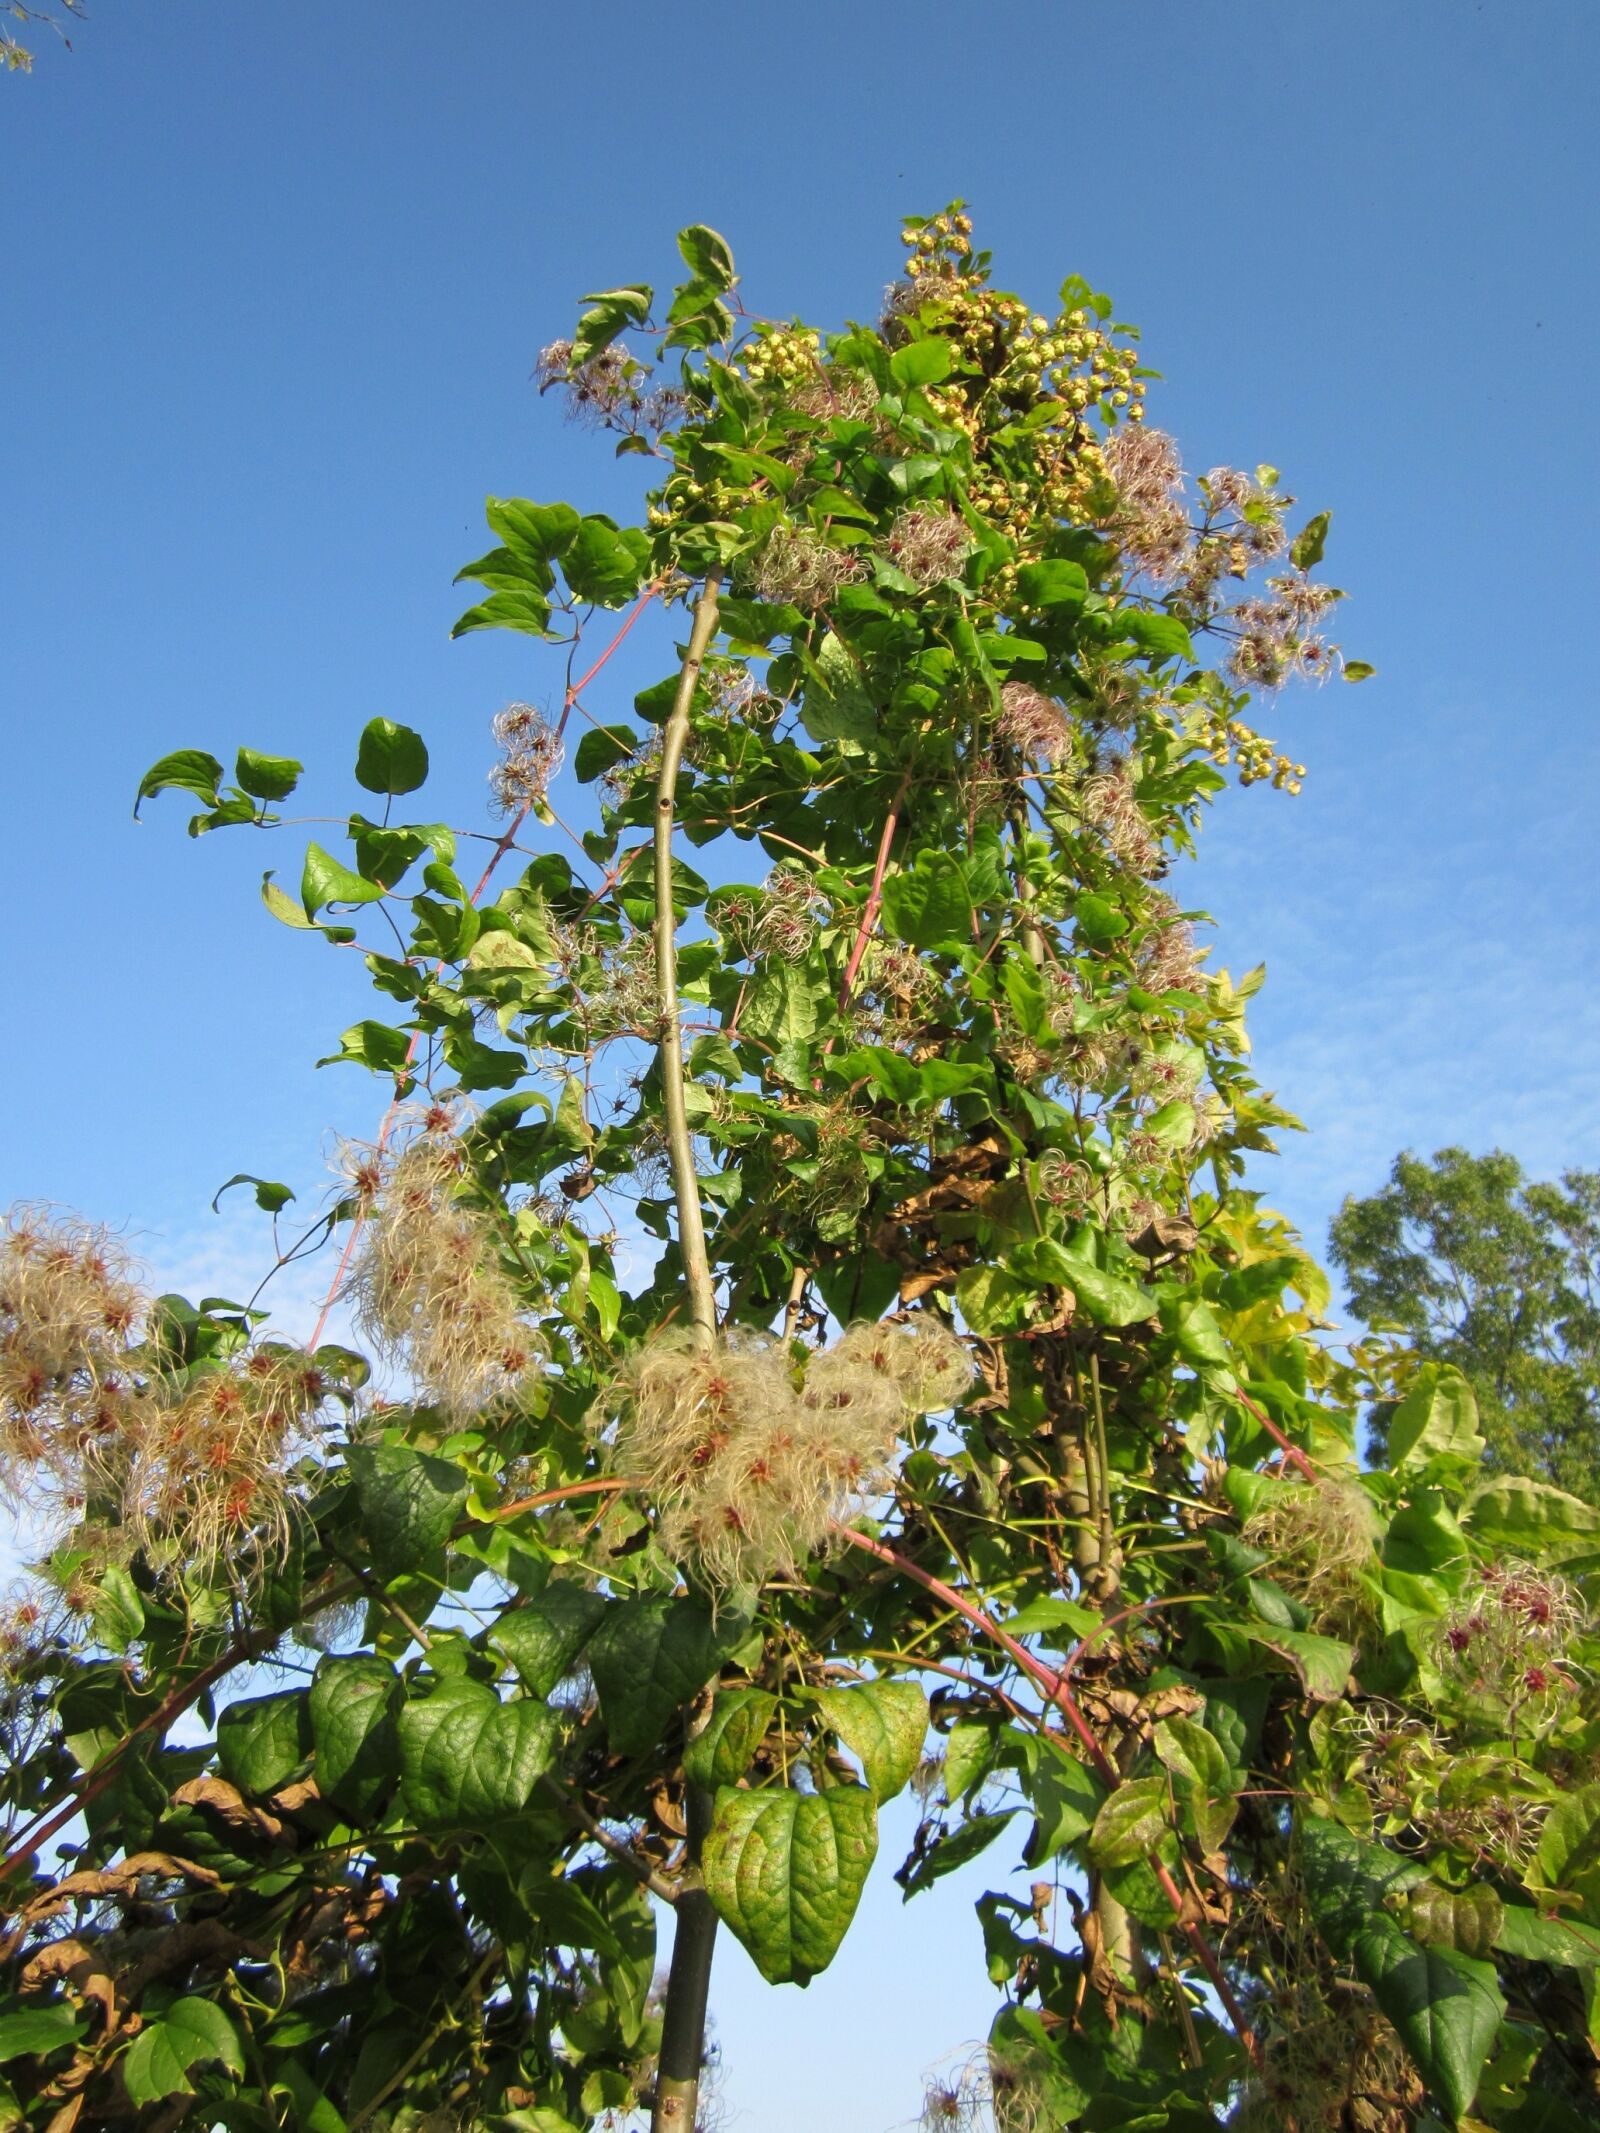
column 838, row 1356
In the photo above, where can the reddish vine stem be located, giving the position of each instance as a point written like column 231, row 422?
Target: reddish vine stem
column 1290, row 1451
column 506, row 841
column 238, row 1654
column 869, row 917
column 1056, row 1688
column 172, row 1706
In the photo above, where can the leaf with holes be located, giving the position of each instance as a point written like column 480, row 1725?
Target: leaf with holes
column 721, row 1753
column 884, row 1724
column 786, row 1871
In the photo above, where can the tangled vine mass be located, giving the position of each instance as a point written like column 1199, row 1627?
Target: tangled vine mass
column 813, row 1343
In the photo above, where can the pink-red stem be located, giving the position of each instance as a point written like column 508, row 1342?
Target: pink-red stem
column 1055, row 1687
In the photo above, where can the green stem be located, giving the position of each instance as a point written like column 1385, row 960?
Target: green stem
column 691, row 1225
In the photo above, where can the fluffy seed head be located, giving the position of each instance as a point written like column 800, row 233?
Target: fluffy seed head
column 795, row 566
column 429, row 1286
column 747, row 1473
column 531, row 757
column 1318, row 1539
column 1035, row 724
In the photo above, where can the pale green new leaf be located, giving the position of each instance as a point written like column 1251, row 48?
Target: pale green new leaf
column 192, row 2032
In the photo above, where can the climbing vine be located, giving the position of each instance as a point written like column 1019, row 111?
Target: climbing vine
column 824, row 1346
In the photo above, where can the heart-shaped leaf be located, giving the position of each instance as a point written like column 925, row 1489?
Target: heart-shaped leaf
column 786, row 1871
column 884, row 1723
column 469, row 1758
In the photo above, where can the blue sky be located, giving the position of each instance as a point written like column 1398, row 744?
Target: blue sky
column 275, row 283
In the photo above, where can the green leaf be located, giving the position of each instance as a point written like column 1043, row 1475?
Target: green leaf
column 1447, row 2007
column 785, row 1870
column 352, row 1703
column 270, row 1196
column 1537, row 1939
column 782, row 1006
column 952, row 1850
column 884, row 1724
column 1438, row 1419
column 600, row 748
column 1158, row 636
column 191, row 2033
column 610, row 312
column 325, row 881
column 926, row 362
column 649, row 1657
column 185, row 770
column 409, row 1502
column 605, row 563
column 118, row 1609
column 544, row 1635
column 1358, row 670
column 929, row 904
column 390, row 759
column 837, row 705
column 1067, row 1800
column 1131, row 1823
column 721, row 1752
column 1322, row 1663
column 1105, row 1298
column 466, row 1757
column 707, row 256
column 1569, row 1844
column 33, row 2032
column 373, row 1045
column 991, row 1300
column 262, row 1741
column 284, row 908
column 1203, row 1776
column 1306, row 550
column 538, row 534
column 1054, row 583
column 525, row 611
column 1349, row 1879
column 266, row 777
column 1098, row 921
column 1530, row 1518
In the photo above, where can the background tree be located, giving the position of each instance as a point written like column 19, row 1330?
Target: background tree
column 1482, row 1269
column 970, row 1432
column 16, row 57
